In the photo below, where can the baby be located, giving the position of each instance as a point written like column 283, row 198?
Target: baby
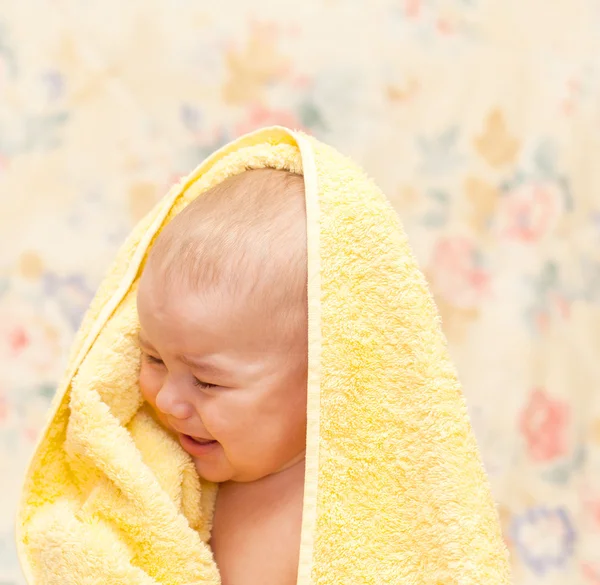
column 223, row 314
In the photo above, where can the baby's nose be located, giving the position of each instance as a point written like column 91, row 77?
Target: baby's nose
column 172, row 403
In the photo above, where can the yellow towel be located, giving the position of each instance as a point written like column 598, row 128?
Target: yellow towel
column 395, row 490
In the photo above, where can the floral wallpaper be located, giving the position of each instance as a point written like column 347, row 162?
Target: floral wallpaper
column 479, row 118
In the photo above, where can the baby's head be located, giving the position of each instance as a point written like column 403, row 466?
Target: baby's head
column 223, row 316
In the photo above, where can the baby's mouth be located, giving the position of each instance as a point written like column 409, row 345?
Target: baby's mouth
column 197, row 446
column 201, row 441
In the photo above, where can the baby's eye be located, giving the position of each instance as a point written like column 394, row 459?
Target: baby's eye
column 202, row 384
column 152, row 360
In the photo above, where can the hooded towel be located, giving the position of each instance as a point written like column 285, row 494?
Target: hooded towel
column 395, row 491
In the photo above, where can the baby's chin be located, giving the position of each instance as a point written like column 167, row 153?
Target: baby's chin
column 225, row 473
column 222, row 472
column 214, row 473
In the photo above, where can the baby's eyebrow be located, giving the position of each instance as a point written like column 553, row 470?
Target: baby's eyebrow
column 203, row 365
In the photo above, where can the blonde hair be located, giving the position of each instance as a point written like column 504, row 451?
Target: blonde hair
column 246, row 237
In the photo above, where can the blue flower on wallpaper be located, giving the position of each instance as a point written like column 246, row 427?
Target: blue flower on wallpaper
column 25, row 399
column 544, row 538
column 82, row 218
column 202, row 146
column 72, row 294
column 43, row 132
column 590, row 266
column 311, row 117
column 6, row 52
column 590, row 271
column 546, row 160
column 331, row 98
column 39, row 132
column 551, row 297
column 191, row 117
column 437, row 216
column 9, row 443
column 54, row 84
column 543, row 169
column 439, row 153
column 562, row 472
column 426, row 21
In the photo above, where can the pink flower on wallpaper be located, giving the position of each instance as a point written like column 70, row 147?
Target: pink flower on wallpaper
column 259, row 116
column 557, row 305
column 456, row 273
column 530, row 211
column 591, row 505
column 412, row 8
column 543, row 424
column 30, row 341
column 593, row 508
column 444, row 26
column 591, row 572
column 18, row 340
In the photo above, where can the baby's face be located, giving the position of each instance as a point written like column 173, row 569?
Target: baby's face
column 222, row 373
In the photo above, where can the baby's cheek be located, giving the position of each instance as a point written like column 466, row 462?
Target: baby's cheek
column 149, row 385
column 223, row 422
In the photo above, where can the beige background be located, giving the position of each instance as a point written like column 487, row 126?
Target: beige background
column 479, row 118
